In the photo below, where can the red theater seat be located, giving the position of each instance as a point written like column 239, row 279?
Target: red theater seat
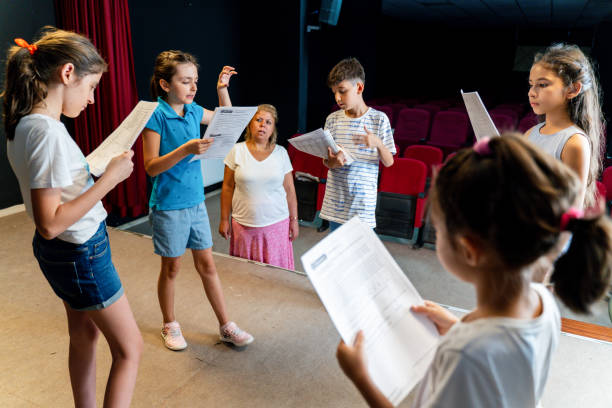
column 395, row 108
column 412, row 127
column 503, row 122
column 401, row 198
column 528, row 121
column 449, row 131
column 429, row 155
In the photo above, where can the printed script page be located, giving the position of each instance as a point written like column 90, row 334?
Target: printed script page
column 225, row 128
column 481, row 121
column 363, row 288
column 122, row 138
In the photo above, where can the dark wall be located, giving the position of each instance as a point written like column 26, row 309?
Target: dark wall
column 433, row 61
column 23, row 19
column 260, row 42
column 602, row 53
column 356, row 35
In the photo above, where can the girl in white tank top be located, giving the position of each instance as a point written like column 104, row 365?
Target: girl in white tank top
column 564, row 89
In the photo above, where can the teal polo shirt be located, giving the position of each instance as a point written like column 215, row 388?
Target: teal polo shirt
column 181, row 186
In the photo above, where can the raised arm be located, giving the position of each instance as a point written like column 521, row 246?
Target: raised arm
column 52, row 217
column 222, row 92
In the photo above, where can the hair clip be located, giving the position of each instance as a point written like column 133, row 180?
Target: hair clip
column 482, row 146
column 571, row 214
column 24, row 44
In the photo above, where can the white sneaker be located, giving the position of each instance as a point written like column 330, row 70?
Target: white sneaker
column 231, row 333
column 173, row 338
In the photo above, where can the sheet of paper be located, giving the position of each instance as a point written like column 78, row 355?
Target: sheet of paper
column 316, row 144
column 363, row 288
column 225, row 128
column 481, row 121
column 122, row 138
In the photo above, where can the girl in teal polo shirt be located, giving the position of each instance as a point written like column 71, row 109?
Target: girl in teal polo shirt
column 178, row 214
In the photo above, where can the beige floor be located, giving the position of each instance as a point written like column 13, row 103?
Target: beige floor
column 291, row 363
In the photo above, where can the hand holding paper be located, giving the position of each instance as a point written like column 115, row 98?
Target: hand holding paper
column 122, row 139
column 352, row 359
column 225, row 128
column 198, row 146
column 442, row 318
column 317, row 143
column 363, row 288
column 120, row 167
column 335, row 160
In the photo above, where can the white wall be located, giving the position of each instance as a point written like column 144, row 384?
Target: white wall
column 212, row 171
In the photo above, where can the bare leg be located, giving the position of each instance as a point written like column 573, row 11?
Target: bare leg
column 165, row 286
column 82, row 357
column 204, row 264
column 118, row 326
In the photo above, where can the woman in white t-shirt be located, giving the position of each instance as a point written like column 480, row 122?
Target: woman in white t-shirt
column 258, row 191
column 497, row 208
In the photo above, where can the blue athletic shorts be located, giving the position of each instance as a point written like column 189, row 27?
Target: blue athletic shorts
column 83, row 275
column 176, row 230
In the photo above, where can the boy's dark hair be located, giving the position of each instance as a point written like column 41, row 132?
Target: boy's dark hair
column 570, row 64
column 28, row 75
column 512, row 200
column 347, row 69
column 165, row 68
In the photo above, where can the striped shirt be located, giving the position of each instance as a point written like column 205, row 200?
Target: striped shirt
column 351, row 189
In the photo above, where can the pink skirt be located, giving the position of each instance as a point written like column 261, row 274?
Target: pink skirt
column 268, row 244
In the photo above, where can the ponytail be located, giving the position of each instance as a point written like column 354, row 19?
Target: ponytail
column 156, row 90
column 29, row 71
column 24, row 88
column 582, row 274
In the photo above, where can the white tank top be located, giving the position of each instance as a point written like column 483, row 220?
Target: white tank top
column 553, row 144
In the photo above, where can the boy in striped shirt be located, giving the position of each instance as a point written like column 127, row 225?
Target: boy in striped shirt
column 366, row 134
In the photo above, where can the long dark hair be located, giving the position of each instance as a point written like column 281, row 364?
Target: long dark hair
column 571, row 65
column 512, row 199
column 29, row 74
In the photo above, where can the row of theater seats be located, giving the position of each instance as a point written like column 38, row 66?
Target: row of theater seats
column 449, row 129
column 402, row 190
column 440, row 124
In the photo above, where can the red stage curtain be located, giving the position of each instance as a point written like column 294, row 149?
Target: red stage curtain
column 107, row 24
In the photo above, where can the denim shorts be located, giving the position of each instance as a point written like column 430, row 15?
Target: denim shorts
column 176, row 230
column 83, row 275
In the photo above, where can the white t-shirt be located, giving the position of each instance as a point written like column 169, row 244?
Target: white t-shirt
column 259, row 196
column 493, row 362
column 43, row 155
column 351, row 189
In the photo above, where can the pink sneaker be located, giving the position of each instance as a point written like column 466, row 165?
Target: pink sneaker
column 231, row 333
column 173, row 338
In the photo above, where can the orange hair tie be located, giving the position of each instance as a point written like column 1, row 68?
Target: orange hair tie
column 24, row 44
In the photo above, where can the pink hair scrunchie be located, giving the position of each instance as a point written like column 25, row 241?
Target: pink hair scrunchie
column 482, row 146
column 571, row 214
